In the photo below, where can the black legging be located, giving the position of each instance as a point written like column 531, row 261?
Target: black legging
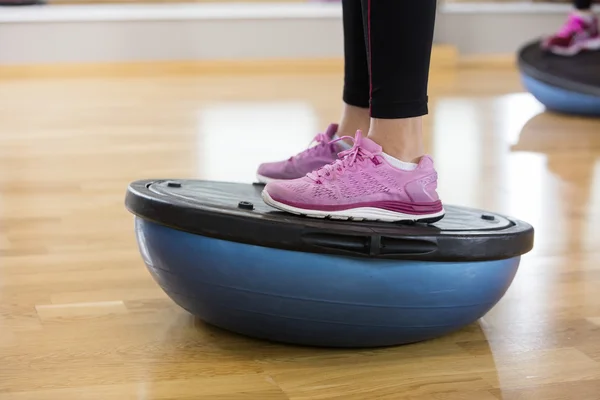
column 583, row 4
column 399, row 36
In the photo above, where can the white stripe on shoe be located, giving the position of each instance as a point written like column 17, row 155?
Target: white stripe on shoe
column 355, row 214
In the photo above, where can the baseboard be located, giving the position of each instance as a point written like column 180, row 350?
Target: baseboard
column 442, row 57
column 165, row 68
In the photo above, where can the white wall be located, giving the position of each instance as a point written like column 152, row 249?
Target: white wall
column 107, row 33
column 114, row 33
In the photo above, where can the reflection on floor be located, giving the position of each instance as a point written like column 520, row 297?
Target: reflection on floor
column 81, row 319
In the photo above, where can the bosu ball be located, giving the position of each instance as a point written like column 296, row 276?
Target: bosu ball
column 223, row 255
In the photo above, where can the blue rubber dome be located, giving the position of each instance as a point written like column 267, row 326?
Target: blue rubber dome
column 569, row 85
column 274, row 276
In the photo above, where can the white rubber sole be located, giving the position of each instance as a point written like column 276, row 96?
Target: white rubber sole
column 592, row 44
column 263, row 179
column 355, row 214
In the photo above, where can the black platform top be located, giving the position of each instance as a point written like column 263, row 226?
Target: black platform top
column 579, row 73
column 236, row 212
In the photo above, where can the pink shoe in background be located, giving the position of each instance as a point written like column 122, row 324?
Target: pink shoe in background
column 324, row 152
column 578, row 34
column 361, row 185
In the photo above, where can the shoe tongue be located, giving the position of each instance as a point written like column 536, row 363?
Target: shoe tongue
column 367, row 143
column 331, row 130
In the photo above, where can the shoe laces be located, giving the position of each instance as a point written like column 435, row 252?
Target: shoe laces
column 347, row 159
column 320, row 140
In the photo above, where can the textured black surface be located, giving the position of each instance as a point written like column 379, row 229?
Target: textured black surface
column 579, row 73
column 212, row 209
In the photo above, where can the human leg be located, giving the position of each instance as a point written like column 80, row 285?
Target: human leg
column 399, row 57
column 355, row 114
column 583, row 5
column 386, row 176
column 356, row 94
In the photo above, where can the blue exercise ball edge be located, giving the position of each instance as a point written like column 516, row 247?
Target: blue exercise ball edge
column 562, row 100
column 239, row 288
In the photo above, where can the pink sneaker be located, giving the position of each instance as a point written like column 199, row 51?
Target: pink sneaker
column 323, row 153
column 576, row 35
column 361, row 185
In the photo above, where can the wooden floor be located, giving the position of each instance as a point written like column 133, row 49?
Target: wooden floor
column 81, row 319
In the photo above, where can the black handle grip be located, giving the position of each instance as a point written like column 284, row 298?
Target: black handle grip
column 371, row 245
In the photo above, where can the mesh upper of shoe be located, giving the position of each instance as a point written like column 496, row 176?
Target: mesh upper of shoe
column 361, row 175
column 574, row 28
column 312, row 158
column 574, row 24
column 351, row 186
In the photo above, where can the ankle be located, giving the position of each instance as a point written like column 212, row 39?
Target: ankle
column 354, row 119
column 399, row 138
